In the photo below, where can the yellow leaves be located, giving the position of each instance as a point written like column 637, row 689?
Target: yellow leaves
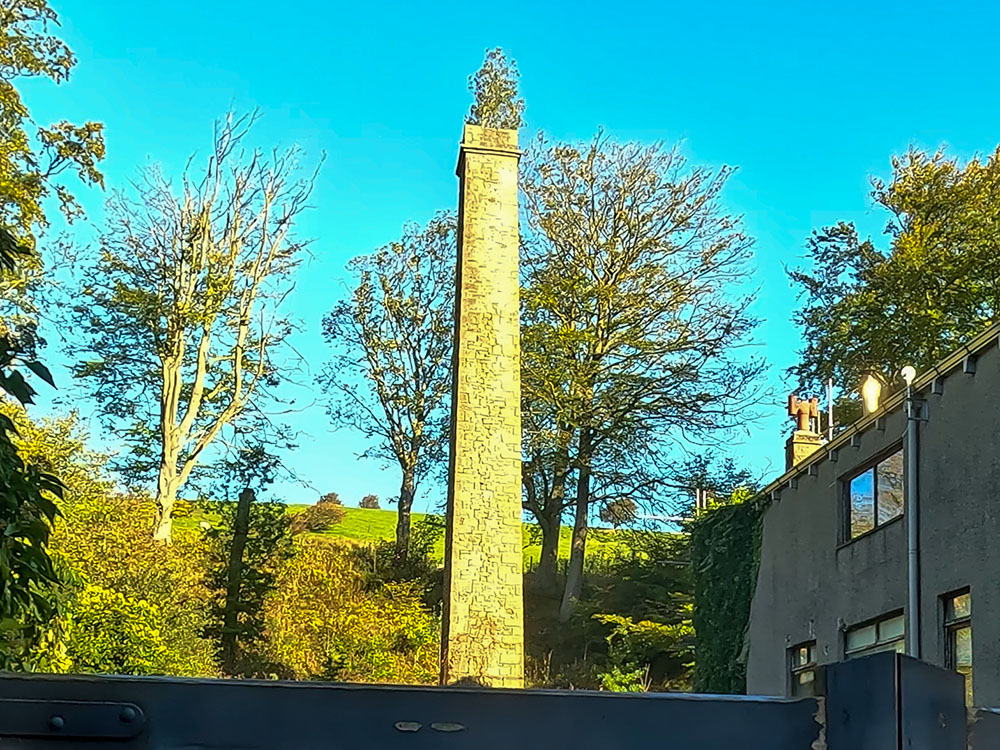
column 323, row 620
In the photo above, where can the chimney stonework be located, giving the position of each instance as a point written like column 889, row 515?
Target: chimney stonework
column 483, row 621
column 805, row 440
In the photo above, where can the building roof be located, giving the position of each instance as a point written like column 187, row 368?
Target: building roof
column 964, row 356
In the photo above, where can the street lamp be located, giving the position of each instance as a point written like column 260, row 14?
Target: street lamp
column 871, row 389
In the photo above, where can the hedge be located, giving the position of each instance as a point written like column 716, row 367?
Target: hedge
column 725, row 555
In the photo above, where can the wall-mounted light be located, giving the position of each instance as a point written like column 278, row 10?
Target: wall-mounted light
column 871, row 389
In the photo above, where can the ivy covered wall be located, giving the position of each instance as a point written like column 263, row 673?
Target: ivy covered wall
column 725, row 554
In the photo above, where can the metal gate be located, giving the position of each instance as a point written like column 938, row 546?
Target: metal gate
column 884, row 702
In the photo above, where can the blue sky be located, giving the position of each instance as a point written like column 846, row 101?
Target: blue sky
column 808, row 101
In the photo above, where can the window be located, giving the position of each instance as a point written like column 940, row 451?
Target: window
column 958, row 638
column 802, row 668
column 887, row 634
column 875, row 495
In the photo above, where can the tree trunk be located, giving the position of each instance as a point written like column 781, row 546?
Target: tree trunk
column 231, row 611
column 545, row 574
column 166, row 495
column 578, row 547
column 406, row 492
column 549, row 517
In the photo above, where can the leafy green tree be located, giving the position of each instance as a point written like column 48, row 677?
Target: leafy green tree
column 390, row 375
column 33, row 160
column 181, row 322
column 494, row 87
column 632, row 323
column 27, row 577
column 933, row 286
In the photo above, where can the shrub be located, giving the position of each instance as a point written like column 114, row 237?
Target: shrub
column 422, row 564
column 267, row 547
column 105, row 539
column 318, row 518
column 323, row 622
column 370, row 502
column 331, row 498
column 633, row 647
column 108, row 539
column 183, row 508
column 102, row 631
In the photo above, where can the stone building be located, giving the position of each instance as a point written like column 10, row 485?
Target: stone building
column 837, row 569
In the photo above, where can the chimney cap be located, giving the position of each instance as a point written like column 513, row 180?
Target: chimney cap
column 802, row 410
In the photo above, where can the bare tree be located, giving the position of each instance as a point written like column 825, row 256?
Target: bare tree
column 180, row 315
column 391, row 372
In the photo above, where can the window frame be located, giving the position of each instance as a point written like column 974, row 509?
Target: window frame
column 950, row 626
column 794, row 669
column 879, row 644
column 845, row 493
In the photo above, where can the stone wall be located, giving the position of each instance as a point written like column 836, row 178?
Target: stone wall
column 483, row 637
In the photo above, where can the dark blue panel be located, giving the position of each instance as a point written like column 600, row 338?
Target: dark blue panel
column 932, row 706
column 236, row 715
column 861, row 704
column 984, row 731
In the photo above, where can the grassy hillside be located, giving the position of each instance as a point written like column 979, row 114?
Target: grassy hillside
column 364, row 526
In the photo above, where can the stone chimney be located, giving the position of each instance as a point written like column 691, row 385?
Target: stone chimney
column 483, row 628
column 806, row 439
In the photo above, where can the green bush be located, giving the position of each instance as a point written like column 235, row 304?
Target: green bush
column 634, row 646
column 102, row 631
column 268, row 545
column 105, row 538
column 182, row 508
column 324, row 621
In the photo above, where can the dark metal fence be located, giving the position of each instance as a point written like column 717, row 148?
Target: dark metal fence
column 884, row 702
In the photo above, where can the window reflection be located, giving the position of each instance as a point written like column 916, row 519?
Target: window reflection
column 875, row 495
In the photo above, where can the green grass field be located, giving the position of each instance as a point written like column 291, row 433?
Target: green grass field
column 364, row 526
